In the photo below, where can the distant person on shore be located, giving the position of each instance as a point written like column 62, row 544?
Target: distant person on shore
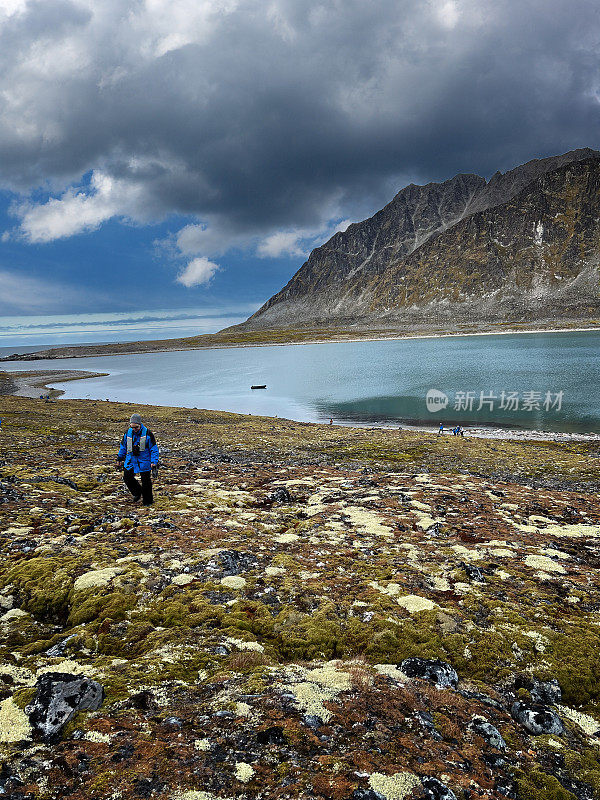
column 441, row 430
column 138, row 453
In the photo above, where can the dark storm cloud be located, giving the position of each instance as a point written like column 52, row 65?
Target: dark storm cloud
column 257, row 116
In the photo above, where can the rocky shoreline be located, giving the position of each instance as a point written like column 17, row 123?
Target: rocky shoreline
column 305, row 612
column 235, row 337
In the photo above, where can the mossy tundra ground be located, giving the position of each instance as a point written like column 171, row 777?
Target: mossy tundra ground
column 248, row 628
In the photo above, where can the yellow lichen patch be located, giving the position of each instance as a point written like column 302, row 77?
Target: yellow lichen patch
column 244, row 772
column 574, row 531
column 182, row 580
column 540, row 642
column 233, row 581
column 242, row 645
column 544, row 564
column 367, row 521
column 16, row 531
column 441, row 584
column 550, row 551
column 286, row 538
column 318, row 686
column 272, row 571
column 95, row 578
column 13, row 614
column 97, row 736
column 413, row 603
column 394, row 787
column 18, row 675
column 587, row 724
column 194, row 794
column 467, row 553
column 72, row 667
column 202, row 744
column 14, row 725
column 392, row 671
column 392, row 589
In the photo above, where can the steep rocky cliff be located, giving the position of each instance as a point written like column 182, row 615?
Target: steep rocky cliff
column 523, row 246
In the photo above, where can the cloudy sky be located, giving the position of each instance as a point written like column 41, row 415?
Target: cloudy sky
column 188, row 154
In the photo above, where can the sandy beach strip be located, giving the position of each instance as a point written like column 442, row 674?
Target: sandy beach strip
column 36, row 382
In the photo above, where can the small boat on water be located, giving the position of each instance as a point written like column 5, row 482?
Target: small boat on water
column 262, row 386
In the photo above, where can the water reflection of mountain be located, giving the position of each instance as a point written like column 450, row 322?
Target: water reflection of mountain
column 411, row 410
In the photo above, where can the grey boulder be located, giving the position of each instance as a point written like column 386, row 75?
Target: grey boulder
column 536, row 718
column 58, row 698
column 430, row 669
column 489, row 732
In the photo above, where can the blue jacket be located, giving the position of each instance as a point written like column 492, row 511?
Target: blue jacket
column 146, row 458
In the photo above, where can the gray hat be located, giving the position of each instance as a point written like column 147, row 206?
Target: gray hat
column 135, row 419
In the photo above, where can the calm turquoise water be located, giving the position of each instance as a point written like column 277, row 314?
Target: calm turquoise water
column 370, row 382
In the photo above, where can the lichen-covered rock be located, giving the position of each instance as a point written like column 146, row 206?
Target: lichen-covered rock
column 537, row 718
column 434, row 670
column 232, row 562
column 58, row 698
column 546, row 691
column 489, row 732
column 279, row 495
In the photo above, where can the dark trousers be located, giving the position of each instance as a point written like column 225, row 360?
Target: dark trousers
column 144, row 491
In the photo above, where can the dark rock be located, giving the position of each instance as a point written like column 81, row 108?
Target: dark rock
column 494, row 761
column 123, row 753
column 473, row 573
column 54, row 479
column 313, row 721
column 232, row 562
column 58, row 698
column 173, row 722
column 147, row 787
column 58, row 650
column 436, row 790
column 365, row 794
column 279, row 495
column 426, row 720
column 537, row 718
column 429, row 669
column 218, row 598
column 488, row 732
column 481, row 698
column 506, row 787
column 143, row 701
column 272, row 735
column 546, row 691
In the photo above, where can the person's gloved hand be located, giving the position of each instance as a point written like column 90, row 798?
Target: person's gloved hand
column 154, row 471
column 119, row 465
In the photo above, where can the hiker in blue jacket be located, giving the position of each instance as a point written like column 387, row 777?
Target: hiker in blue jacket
column 138, row 453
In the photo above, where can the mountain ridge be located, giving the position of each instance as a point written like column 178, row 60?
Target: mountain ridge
column 349, row 279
